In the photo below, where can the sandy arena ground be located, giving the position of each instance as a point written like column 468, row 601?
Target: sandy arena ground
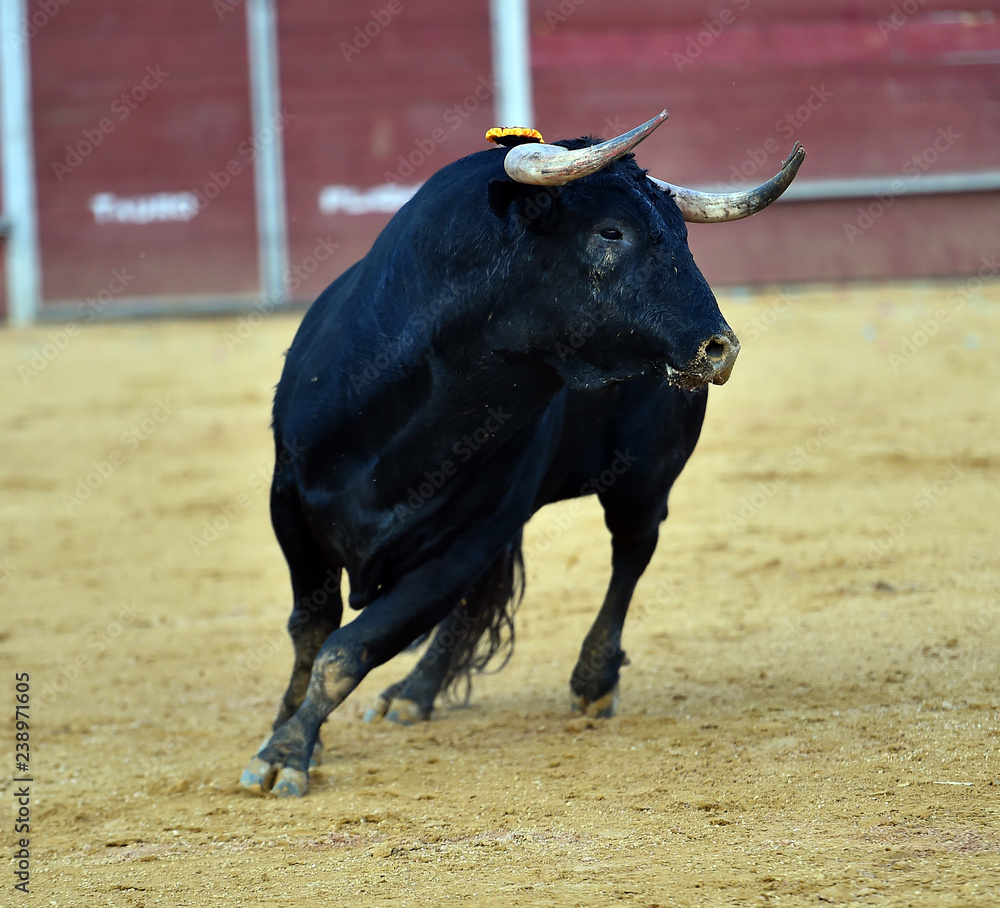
column 810, row 714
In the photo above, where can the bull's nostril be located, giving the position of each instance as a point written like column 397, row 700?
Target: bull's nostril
column 716, row 349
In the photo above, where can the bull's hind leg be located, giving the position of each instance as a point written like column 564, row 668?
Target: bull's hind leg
column 412, row 699
column 479, row 628
column 634, row 530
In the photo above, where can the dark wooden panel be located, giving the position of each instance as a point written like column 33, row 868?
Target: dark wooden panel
column 138, row 100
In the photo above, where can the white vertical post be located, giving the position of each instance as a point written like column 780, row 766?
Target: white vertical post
column 18, row 164
column 269, row 166
column 512, row 62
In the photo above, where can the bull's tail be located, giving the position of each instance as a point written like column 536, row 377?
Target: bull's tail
column 484, row 622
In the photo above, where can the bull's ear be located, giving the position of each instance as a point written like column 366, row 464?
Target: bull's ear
column 536, row 208
column 501, row 194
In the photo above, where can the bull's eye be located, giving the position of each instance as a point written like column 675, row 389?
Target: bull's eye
column 611, row 233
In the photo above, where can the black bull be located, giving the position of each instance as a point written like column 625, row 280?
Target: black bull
column 502, row 346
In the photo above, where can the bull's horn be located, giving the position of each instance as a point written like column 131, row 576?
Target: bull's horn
column 709, row 207
column 553, row 165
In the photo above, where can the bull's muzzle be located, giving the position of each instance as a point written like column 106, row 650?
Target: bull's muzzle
column 712, row 363
column 717, row 356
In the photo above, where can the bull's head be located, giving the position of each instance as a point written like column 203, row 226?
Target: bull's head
column 624, row 232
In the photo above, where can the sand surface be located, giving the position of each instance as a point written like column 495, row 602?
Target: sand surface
column 810, row 714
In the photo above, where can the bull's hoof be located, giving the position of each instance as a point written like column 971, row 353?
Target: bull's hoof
column 376, row 712
column 400, row 710
column 290, row 783
column 602, row 708
column 262, row 777
column 407, row 712
column 258, row 776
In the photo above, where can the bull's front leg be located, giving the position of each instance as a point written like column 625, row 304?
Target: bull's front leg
column 317, row 610
column 594, row 682
column 309, row 626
